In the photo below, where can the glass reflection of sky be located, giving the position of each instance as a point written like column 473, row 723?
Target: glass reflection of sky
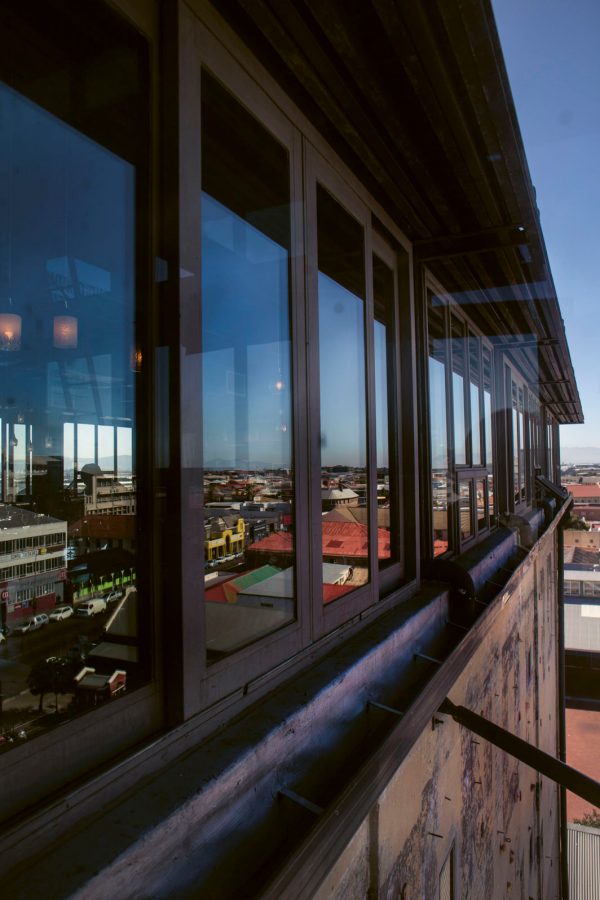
column 246, row 344
column 381, row 395
column 437, row 401
column 460, row 438
column 342, row 375
column 66, row 248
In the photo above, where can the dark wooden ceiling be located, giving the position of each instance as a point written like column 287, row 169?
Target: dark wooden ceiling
column 415, row 97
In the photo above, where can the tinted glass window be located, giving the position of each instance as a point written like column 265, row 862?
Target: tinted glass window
column 72, row 201
column 247, row 378
column 344, row 495
column 438, row 426
column 387, row 463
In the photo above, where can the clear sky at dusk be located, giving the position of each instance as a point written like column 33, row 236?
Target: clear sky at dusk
column 552, row 53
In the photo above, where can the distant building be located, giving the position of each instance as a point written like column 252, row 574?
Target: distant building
column 224, row 536
column 106, row 494
column 332, row 497
column 33, row 563
column 589, row 540
column 585, row 494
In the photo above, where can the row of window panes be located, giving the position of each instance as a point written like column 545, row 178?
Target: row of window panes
column 42, row 540
column 39, row 591
column 44, row 565
column 460, row 442
column 581, row 588
column 248, row 349
column 529, row 453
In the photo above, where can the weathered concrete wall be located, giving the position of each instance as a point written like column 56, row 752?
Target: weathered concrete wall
column 457, row 793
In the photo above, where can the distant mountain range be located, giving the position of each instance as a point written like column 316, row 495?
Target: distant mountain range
column 581, row 456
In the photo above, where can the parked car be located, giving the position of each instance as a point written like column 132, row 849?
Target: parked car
column 91, row 607
column 32, row 624
column 60, row 612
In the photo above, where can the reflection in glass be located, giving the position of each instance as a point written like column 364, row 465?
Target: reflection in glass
column 474, row 378
column 480, row 498
column 387, row 488
column 438, row 426
column 516, row 444
column 246, row 377
column 344, row 496
column 458, row 392
column 487, row 405
column 465, row 506
column 491, row 500
column 521, row 447
column 67, row 520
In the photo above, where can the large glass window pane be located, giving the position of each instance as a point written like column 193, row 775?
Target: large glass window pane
column 475, row 388
column 387, row 464
column 550, row 450
column 487, row 405
column 458, row 392
column 247, row 377
column 465, row 509
column 68, row 515
column 344, row 495
column 480, row 498
column 438, row 425
column 516, row 444
column 521, row 447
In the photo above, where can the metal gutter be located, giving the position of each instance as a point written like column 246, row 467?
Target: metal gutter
column 302, row 874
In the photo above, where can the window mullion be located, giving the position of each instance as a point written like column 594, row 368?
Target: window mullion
column 371, row 474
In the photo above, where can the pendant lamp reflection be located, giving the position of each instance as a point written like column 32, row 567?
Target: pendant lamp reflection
column 10, row 331
column 65, row 332
column 136, row 360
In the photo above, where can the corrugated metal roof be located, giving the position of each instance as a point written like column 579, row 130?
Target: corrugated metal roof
column 583, row 850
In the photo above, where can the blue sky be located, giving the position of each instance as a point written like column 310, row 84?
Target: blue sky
column 552, row 53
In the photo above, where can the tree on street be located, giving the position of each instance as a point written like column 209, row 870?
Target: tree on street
column 54, row 675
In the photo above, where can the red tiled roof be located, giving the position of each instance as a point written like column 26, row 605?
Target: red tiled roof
column 583, row 490
column 339, row 539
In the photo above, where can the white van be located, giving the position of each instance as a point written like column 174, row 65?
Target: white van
column 91, row 607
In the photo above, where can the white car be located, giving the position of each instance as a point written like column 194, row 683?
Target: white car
column 60, row 612
column 113, row 596
column 31, row 624
column 91, row 607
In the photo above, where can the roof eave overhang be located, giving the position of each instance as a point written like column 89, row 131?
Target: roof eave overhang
column 416, row 99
